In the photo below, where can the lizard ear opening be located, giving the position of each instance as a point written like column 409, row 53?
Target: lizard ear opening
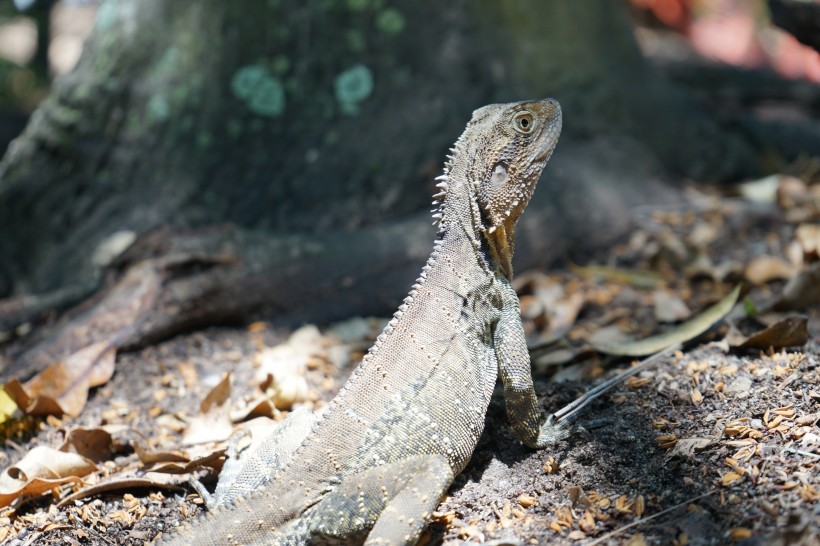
column 499, row 177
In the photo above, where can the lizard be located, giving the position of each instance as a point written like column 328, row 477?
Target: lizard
column 375, row 465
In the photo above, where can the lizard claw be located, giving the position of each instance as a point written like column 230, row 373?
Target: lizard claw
column 553, row 430
column 200, row 489
column 233, row 451
column 233, row 446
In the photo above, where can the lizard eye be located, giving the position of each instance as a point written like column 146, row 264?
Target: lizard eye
column 523, row 122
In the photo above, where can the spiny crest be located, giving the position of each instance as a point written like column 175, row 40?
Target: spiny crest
column 443, row 185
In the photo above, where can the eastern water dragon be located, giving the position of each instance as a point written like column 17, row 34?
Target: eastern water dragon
column 375, row 465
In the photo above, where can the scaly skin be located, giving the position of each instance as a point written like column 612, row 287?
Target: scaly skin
column 373, row 468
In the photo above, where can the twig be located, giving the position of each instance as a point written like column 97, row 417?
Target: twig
column 790, row 450
column 644, row 520
column 573, row 408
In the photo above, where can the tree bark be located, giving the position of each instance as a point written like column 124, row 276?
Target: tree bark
column 195, row 113
column 322, row 125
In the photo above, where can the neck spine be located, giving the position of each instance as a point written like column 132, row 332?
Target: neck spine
column 456, row 198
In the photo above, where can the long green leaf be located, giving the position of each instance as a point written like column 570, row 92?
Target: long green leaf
column 683, row 333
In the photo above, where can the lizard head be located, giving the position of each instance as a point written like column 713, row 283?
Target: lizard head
column 513, row 143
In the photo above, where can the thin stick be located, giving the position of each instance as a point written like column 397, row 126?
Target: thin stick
column 576, row 406
column 644, row 520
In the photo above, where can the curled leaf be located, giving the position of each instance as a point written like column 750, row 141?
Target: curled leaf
column 42, row 469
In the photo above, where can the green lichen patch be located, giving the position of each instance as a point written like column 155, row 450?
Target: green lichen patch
column 390, row 21
column 353, row 86
column 260, row 90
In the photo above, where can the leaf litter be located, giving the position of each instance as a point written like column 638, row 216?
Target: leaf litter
column 698, row 442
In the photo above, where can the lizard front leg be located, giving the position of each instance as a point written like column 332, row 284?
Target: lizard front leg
column 516, row 375
column 389, row 504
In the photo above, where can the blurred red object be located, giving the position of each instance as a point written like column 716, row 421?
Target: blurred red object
column 736, row 32
column 673, row 13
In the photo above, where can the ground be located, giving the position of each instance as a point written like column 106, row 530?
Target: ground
column 716, row 444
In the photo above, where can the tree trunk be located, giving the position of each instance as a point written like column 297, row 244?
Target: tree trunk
column 293, row 117
column 313, row 124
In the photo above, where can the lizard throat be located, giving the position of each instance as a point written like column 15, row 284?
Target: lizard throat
column 499, row 241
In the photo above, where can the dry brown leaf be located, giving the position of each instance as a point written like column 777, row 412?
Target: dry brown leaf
column 792, row 192
column 577, row 496
column 640, row 505
column 45, row 462
column 666, row 441
column 669, row 307
column 42, row 469
column 218, row 396
column 768, row 268
column 688, row 447
column 730, row 479
column 789, row 332
column 187, row 371
column 261, row 406
column 118, row 485
column 552, row 306
column 214, row 422
column 551, row 466
column 587, row 522
column 636, row 540
column 213, row 460
column 92, row 443
column 154, row 457
column 762, row 190
column 63, row 387
column 282, row 368
column 608, row 336
column 36, row 486
column 526, row 500
column 622, row 505
column 808, row 236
